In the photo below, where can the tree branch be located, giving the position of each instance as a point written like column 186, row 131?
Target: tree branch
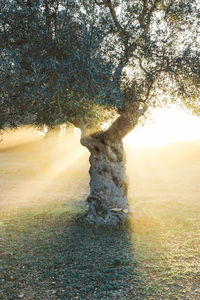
column 143, row 13
column 129, row 117
column 120, row 29
column 100, row 3
column 114, row 16
column 125, row 122
column 48, row 18
column 65, row 17
column 129, row 49
column 140, row 63
column 152, row 9
column 148, row 91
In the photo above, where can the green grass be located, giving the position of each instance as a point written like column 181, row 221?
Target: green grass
column 47, row 256
column 50, row 254
column 167, row 246
column 47, row 253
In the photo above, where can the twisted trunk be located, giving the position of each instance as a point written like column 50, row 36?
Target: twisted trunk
column 108, row 182
column 108, row 203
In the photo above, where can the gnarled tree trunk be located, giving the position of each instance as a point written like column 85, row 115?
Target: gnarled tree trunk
column 108, row 182
column 107, row 201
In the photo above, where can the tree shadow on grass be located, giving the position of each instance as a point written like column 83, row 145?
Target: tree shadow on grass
column 58, row 257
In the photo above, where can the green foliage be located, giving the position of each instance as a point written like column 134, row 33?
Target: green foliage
column 60, row 60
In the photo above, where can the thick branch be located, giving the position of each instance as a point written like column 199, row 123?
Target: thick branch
column 120, row 128
column 88, row 131
column 124, row 123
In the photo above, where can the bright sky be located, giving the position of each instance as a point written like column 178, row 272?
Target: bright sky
column 167, row 126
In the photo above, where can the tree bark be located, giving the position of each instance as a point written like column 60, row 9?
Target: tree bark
column 108, row 203
column 108, row 181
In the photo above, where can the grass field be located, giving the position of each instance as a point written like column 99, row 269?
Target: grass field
column 46, row 252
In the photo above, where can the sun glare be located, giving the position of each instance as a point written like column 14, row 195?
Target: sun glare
column 167, row 126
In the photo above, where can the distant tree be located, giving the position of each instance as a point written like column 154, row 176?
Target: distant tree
column 90, row 62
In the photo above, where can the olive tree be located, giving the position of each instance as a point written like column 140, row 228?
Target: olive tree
column 94, row 62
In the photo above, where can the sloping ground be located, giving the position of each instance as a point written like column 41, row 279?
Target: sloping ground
column 46, row 253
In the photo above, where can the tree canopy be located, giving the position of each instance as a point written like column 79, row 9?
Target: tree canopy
column 87, row 61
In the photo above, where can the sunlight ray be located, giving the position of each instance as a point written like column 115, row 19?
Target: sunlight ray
column 48, row 166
